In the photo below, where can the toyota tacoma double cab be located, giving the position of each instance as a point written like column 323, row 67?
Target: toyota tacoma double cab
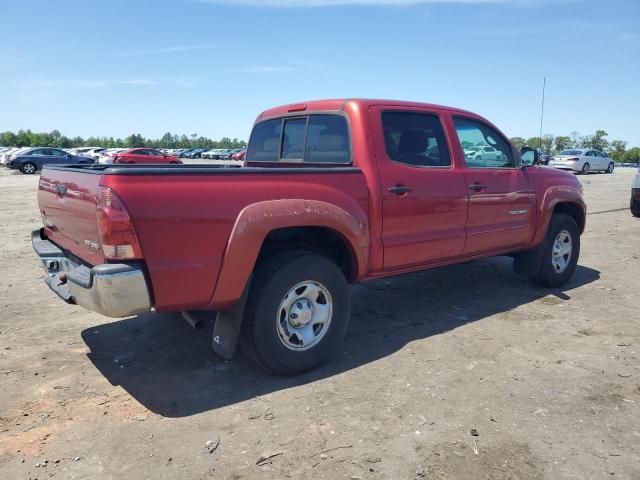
column 331, row 192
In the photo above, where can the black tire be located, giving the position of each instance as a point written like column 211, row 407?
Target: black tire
column 610, row 168
column 586, row 168
column 272, row 280
column 634, row 206
column 547, row 275
column 28, row 168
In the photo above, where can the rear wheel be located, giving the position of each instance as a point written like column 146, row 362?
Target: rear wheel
column 28, row 168
column 297, row 312
column 610, row 168
column 586, row 168
column 635, row 207
column 559, row 252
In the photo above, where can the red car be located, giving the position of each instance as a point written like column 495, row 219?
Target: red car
column 334, row 192
column 144, row 155
column 239, row 155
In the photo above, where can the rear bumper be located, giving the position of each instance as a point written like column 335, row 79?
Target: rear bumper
column 571, row 167
column 113, row 290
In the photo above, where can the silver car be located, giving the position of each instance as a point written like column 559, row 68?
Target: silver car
column 582, row 160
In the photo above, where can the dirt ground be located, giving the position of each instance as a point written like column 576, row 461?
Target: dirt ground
column 457, row 373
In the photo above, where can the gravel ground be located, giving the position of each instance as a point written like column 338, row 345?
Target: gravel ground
column 461, row 372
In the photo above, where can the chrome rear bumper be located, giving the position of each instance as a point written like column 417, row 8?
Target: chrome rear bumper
column 114, row 290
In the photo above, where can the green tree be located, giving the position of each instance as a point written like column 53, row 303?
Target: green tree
column 8, row 139
column 517, row 142
column 617, row 149
column 575, row 139
column 135, row 141
column 547, row 143
column 632, row 155
column 533, row 142
column 562, row 142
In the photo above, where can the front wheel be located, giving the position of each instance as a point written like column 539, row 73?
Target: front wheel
column 297, row 312
column 610, row 168
column 559, row 252
column 586, row 168
column 28, row 168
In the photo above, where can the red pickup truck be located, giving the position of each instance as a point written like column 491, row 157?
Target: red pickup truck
column 332, row 192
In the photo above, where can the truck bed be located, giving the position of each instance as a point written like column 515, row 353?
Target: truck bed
column 183, row 215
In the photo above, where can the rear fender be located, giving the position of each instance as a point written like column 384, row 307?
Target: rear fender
column 257, row 220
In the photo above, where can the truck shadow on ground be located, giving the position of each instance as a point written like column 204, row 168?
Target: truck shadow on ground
column 169, row 368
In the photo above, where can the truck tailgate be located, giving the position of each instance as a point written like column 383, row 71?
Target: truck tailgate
column 67, row 200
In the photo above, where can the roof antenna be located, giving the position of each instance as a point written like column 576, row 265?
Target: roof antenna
column 544, row 84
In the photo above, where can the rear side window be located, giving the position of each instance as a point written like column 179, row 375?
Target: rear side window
column 327, row 140
column 415, row 139
column 322, row 138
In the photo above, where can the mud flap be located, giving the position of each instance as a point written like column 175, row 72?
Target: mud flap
column 528, row 263
column 228, row 325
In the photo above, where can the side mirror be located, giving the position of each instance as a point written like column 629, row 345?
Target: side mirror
column 529, row 157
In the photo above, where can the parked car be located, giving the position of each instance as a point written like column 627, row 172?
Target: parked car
column 193, row 153
column 483, row 154
column 239, row 155
column 33, row 159
column 214, row 153
column 634, row 205
column 106, row 156
column 144, row 155
column 582, row 161
column 337, row 192
column 9, row 154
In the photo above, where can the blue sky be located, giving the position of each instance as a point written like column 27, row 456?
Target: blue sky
column 115, row 67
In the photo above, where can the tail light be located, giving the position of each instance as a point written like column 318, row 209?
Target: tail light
column 572, row 159
column 115, row 229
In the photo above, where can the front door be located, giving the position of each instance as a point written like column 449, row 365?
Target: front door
column 501, row 194
column 424, row 197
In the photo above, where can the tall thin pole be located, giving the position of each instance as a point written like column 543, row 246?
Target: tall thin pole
column 544, row 84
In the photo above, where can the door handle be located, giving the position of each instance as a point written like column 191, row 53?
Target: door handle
column 399, row 190
column 477, row 187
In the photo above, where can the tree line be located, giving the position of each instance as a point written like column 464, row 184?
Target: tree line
column 550, row 144
column 27, row 138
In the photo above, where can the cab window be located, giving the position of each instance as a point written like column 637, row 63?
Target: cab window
column 483, row 147
column 415, row 139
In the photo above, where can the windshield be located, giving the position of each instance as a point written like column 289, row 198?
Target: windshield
column 571, row 152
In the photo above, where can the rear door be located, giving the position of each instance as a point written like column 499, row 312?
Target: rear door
column 501, row 194
column 424, row 196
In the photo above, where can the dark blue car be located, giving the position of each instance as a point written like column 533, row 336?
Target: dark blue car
column 30, row 161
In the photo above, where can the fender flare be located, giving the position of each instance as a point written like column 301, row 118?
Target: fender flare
column 257, row 220
column 552, row 197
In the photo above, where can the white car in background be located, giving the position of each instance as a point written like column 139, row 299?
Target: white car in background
column 7, row 156
column 106, row 156
column 582, row 160
column 635, row 195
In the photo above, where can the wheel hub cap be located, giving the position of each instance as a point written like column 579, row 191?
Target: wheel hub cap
column 561, row 251
column 304, row 316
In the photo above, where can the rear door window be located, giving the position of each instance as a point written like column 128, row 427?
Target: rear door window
column 415, row 139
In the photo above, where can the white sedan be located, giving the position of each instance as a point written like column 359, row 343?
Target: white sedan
column 582, row 161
